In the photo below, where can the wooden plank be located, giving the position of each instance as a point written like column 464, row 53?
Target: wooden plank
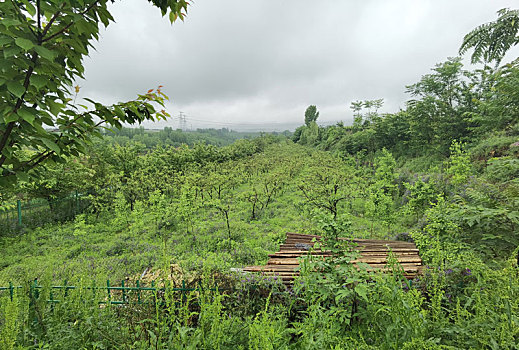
column 400, row 253
column 384, row 249
column 373, row 252
column 375, row 259
column 400, row 259
column 294, row 250
column 376, row 241
column 301, row 235
column 283, row 262
column 278, row 273
column 303, row 252
column 292, row 255
column 272, row 268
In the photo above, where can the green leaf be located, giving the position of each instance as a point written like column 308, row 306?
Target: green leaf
column 38, row 81
column 11, row 117
column 24, row 43
column 16, row 88
column 51, row 145
column 22, row 176
column 27, row 115
column 5, row 40
column 362, row 291
column 55, row 108
column 30, row 8
column 10, row 22
column 45, row 53
column 11, row 51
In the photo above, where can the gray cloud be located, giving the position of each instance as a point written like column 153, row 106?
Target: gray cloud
column 244, row 64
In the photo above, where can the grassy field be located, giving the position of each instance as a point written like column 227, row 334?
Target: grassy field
column 221, row 215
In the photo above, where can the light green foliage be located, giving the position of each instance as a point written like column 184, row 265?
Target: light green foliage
column 176, row 221
column 331, row 228
column 309, row 134
column 385, row 171
column 269, row 330
column 9, row 322
column 379, row 201
column 327, row 182
column 421, row 194
column 458, row 166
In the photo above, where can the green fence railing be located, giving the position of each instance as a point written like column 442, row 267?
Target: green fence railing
column 111, row 294
column 36, row 212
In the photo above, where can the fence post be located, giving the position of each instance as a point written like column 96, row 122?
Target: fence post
column 124, row 291
column 19, row 206
column 94, row 290
column 138, row 292
column 66, row 289
column 77, row 203
column 183, row 291
column 109, row 292
column 33, row 296
column 11, row 290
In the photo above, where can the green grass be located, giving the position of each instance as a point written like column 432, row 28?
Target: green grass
column 462, row 301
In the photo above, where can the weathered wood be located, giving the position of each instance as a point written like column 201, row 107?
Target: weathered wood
column 373, row 253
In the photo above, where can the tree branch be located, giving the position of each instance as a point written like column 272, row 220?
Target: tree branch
column 11, row 125
column 23, row 18
column 62, row 30
column 47, row 27
column 38, row 14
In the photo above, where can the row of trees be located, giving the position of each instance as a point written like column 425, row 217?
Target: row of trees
column 170, row 137
column 450, row 103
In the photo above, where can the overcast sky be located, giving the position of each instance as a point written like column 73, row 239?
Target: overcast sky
column 257, row 64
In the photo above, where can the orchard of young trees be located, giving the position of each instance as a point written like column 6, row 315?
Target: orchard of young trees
column 171, row 209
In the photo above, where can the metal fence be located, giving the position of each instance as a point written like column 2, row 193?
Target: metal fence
column 108, row 294
column 14, row 217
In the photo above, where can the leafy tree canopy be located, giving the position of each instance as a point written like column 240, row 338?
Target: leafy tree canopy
column 42, row 44
column 492, row 40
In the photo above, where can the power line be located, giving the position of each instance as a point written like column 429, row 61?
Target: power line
column 184, row 119
column 238, row 123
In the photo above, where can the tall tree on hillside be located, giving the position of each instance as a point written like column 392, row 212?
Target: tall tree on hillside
column 492, row 40
column 311, row 115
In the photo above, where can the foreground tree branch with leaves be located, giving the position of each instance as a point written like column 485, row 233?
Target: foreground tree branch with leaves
column 491, row 41
column 42, row 44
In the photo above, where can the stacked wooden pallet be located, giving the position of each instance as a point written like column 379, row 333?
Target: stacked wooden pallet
column 285, row 263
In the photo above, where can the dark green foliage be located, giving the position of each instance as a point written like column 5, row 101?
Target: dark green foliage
column 491, row 41
column 311, row 115
column 177, row 138
column 42, row 48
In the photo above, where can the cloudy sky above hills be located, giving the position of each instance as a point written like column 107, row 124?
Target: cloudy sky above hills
column 257, row 64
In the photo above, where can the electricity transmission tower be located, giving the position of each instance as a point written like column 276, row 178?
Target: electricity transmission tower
column 182, row 123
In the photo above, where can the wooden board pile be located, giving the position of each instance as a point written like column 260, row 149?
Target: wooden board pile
column 285, row 263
